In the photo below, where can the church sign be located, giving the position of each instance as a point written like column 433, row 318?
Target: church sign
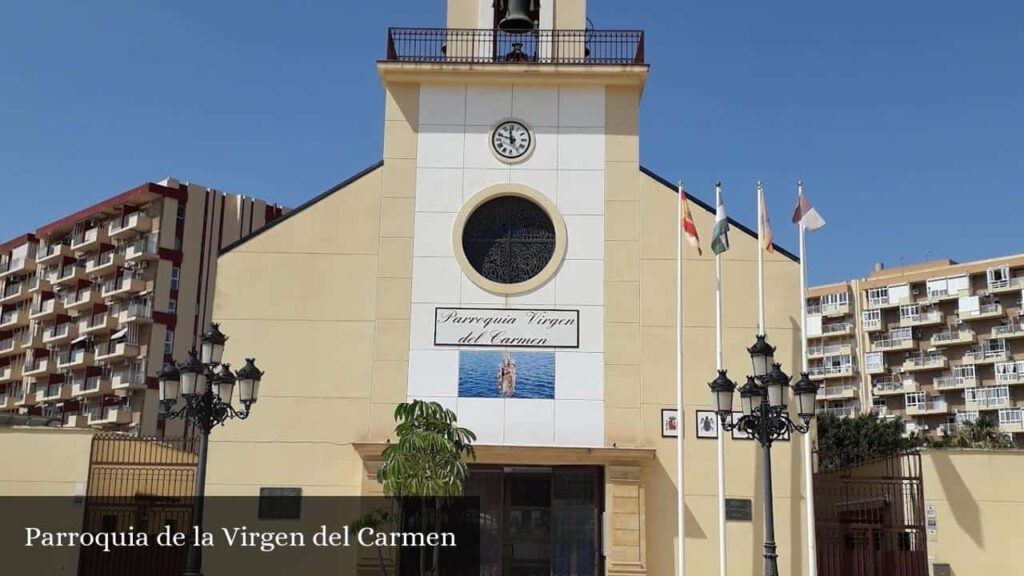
column 505, row 328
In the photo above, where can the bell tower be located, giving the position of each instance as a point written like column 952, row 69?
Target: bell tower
column 510, row 210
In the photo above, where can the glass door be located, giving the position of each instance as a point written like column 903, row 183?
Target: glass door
column 527, row 550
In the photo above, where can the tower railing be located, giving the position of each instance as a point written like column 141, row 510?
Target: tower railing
column 483, row 46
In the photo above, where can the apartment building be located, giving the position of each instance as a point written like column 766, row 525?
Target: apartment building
column 934, row 344
column 91, row 305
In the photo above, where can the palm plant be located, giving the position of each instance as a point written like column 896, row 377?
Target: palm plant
column 427, row 461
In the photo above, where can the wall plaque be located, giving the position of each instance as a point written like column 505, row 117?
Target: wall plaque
column 506, row 328
column 738, row 510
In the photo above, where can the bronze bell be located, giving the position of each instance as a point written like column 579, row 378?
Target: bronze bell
column 517, row 18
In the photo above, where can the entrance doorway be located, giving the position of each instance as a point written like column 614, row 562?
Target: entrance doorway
column 539, row 521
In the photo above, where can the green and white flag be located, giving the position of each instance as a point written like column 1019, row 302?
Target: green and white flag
column 720, row 233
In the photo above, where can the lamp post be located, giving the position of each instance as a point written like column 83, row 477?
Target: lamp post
column 766, row 419
column 205, row 388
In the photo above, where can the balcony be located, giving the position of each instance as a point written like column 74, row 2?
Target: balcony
column 75, row 359
column 984, row 312
column 876, row 369
column 951, row 382
column 14, row 319
column 840, row 411
column 139, row 312
column 90, row 240
column 928, row 407
column 51, row 254
column 116, row 350
column 882, row 303
column 142, row 249
column 14, row 293
column 104, row 415
column 1008, row 331
column 837, row 329
column 1011, row 421
column 75, row 420
column 10, row 372
column 128, row 225
column 90, row 386
column 985, row 400
column 837, row 392
column 83, row 299
column 54, row 392
column 928, row 318
column 25, row 397
column 8, row 345
column 39, row 283
column 128, row 379
column 47, row 309
column 953, row 338
column 123, row 286
column 891, row 345
column 60, row 333
column 872, row 325
column 829, row 309
column 889, row 387
column 820, row 351
column 37, row 367
column 103, row 264
column 102, row 323
column 8, row 401
column 931, row 362
column 14, row 266
column 68, row 274
column 1009, row 285
column 976, row 356
column 486, row 46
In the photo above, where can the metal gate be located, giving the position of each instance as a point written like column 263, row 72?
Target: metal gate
column 869, row 518
column 142, row 484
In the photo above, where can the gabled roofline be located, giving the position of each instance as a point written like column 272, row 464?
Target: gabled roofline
column 315, row 200
column 309, row 203
column 710, row 208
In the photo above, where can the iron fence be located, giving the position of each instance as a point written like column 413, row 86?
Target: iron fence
column 479, row 46
column 870, row 518
column 143, row 483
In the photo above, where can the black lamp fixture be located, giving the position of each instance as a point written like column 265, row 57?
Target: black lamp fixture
column 200, row 392
column 762, row 356
column 765, row 417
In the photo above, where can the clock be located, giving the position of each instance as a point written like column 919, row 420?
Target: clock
column 511, row 141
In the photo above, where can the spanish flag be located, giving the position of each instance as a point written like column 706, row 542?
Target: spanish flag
column 689, row 228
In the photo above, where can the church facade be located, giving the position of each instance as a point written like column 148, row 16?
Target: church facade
column 511, row 259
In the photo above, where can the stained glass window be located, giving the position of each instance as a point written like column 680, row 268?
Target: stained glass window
column 509, row 239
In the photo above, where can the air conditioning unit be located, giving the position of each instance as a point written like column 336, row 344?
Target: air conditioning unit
column 915, row 291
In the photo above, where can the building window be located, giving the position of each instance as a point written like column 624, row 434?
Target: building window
column 874, row 361
column 509, row 240
column 998, row 277
column 175, row 277
column 181, row 216
column 878, row 296
column 172, row 306
column 169, row 342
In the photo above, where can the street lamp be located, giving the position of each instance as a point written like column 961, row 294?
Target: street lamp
column 205, row 387
column 763, row 402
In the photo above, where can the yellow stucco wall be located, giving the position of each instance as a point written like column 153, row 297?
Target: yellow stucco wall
column 978, row 505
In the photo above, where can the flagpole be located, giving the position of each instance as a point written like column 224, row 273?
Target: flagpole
column 760, row 260
column 680, row 511
column 812, row 563
column 721, row 433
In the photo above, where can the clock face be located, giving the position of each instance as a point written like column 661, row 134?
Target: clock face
column 511, row 140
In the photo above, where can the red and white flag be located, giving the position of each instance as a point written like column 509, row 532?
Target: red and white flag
column 806, row 214
column 689, row 228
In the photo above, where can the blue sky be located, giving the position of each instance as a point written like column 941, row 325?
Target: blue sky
column 905, row 119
